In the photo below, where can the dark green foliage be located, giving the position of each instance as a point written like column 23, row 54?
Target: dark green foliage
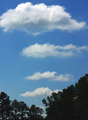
column 15, row 104
column 5, row 107
column 81, row 103
column 18, row 110
column 71, row 104
column 22, row 108
column 35, row 113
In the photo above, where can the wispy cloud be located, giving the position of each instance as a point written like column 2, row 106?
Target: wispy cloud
column 44, row 50
column 50, row 76
column 38, row 18
column 39, row 92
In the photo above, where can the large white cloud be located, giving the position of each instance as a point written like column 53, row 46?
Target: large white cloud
column 39, row 92
column 38, row 18
column 44, row 50
column 50, row 76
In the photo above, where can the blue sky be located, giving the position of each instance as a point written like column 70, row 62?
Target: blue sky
column 43, row 47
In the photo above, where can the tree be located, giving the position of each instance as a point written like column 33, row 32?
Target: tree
column 22, row 108
column 15, row 105
column 53, row 105
column 81, row 101
column 70, row 104
column 67, row 103
column 35, row 113
column 14, row 110
column 5, row 106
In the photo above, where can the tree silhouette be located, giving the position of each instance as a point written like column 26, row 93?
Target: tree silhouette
column 35, row 113
column 15, row 105
column 81, row 101
column 22, row 107
column 5, row 107
column 70, row 104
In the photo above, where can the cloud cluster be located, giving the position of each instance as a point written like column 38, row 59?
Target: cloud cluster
column 44, row 50
column 38, row 18
column 39, row 92
column 52, row 76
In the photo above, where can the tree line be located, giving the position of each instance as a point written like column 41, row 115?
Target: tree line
column 70, row 104
column 14, row 110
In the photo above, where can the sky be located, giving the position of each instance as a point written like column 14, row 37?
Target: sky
column 43, row 47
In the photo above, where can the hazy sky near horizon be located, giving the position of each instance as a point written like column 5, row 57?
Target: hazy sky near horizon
column 43, row 47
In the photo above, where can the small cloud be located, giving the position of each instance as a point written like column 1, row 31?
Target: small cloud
column 39, row 92
column 44, row 50
column 41, row 107
column 44, row 115
column 50, row 76
column 38, row 18
column 38, row 75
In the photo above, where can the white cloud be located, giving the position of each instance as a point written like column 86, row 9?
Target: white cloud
column 50, row 76
column 38, row 18
column 39, row 92
column 44, row 50
column 38, row 76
